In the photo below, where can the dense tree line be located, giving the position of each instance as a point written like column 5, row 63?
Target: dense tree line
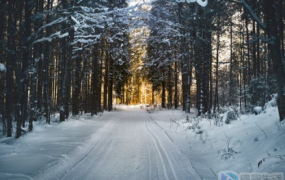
column 161, row 50
column 59, row 56
column 231, row 52
column 74, row 56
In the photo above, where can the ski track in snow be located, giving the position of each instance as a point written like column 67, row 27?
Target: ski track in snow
column 174, row 158
column 168, row 169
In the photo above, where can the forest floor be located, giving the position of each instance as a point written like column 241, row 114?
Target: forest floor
column 131, row 144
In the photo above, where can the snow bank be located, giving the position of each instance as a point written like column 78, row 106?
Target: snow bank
column 253, row 143
column 45, row 146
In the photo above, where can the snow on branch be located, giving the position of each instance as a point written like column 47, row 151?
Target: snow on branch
column 253, row 15
column 57, row 21
column 51, row 37
column 202, row 3
column 2, row 68
column 75, row 20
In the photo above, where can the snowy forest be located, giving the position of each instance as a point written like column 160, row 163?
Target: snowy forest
column 70, row 56
column 62, row 59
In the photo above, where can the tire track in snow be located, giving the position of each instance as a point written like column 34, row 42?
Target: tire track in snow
column 168, row 169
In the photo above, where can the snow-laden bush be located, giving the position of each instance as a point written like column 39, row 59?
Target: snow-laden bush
column 257, row 110
column 194, row 125
column 229, row 116
column 228, row 152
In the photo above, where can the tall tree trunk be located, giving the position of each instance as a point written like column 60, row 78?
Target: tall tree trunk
column 63, row 80
column 127, row 93
column 64, row 68
column 100, row 82
column 207, row 63
column 46, row 63
column 83, row 86
column 33, row 81
column 2, row 42
column 95, row 79
column 110, row 84
column 123, row 92
column 275, row 52
column 152, row 94
column 106, row 75
column 163, row 95
column 230, row 97
column 21, row 73
column 245, row 73
column 137, row 92
column 68, row 72
column 216, row 99
column 248, row 65
column 10, row 62
column 258, row 63
column 38, row 52
column 176, row 85
column 254, row 66
column 188, row 82
column 183, row 61
column 77, row 86
column 198, row 54
column 242, row 60
column 281, row 27
column 210, row 78
column 169, row 101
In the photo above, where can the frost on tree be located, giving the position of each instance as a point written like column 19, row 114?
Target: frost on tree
column 203, row 3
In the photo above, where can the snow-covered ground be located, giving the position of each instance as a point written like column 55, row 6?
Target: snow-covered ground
column 130, row 144
column 256, row 142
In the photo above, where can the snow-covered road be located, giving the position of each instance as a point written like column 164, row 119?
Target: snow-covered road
column 130, row 144
column 129, row 147
column 123, row 145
